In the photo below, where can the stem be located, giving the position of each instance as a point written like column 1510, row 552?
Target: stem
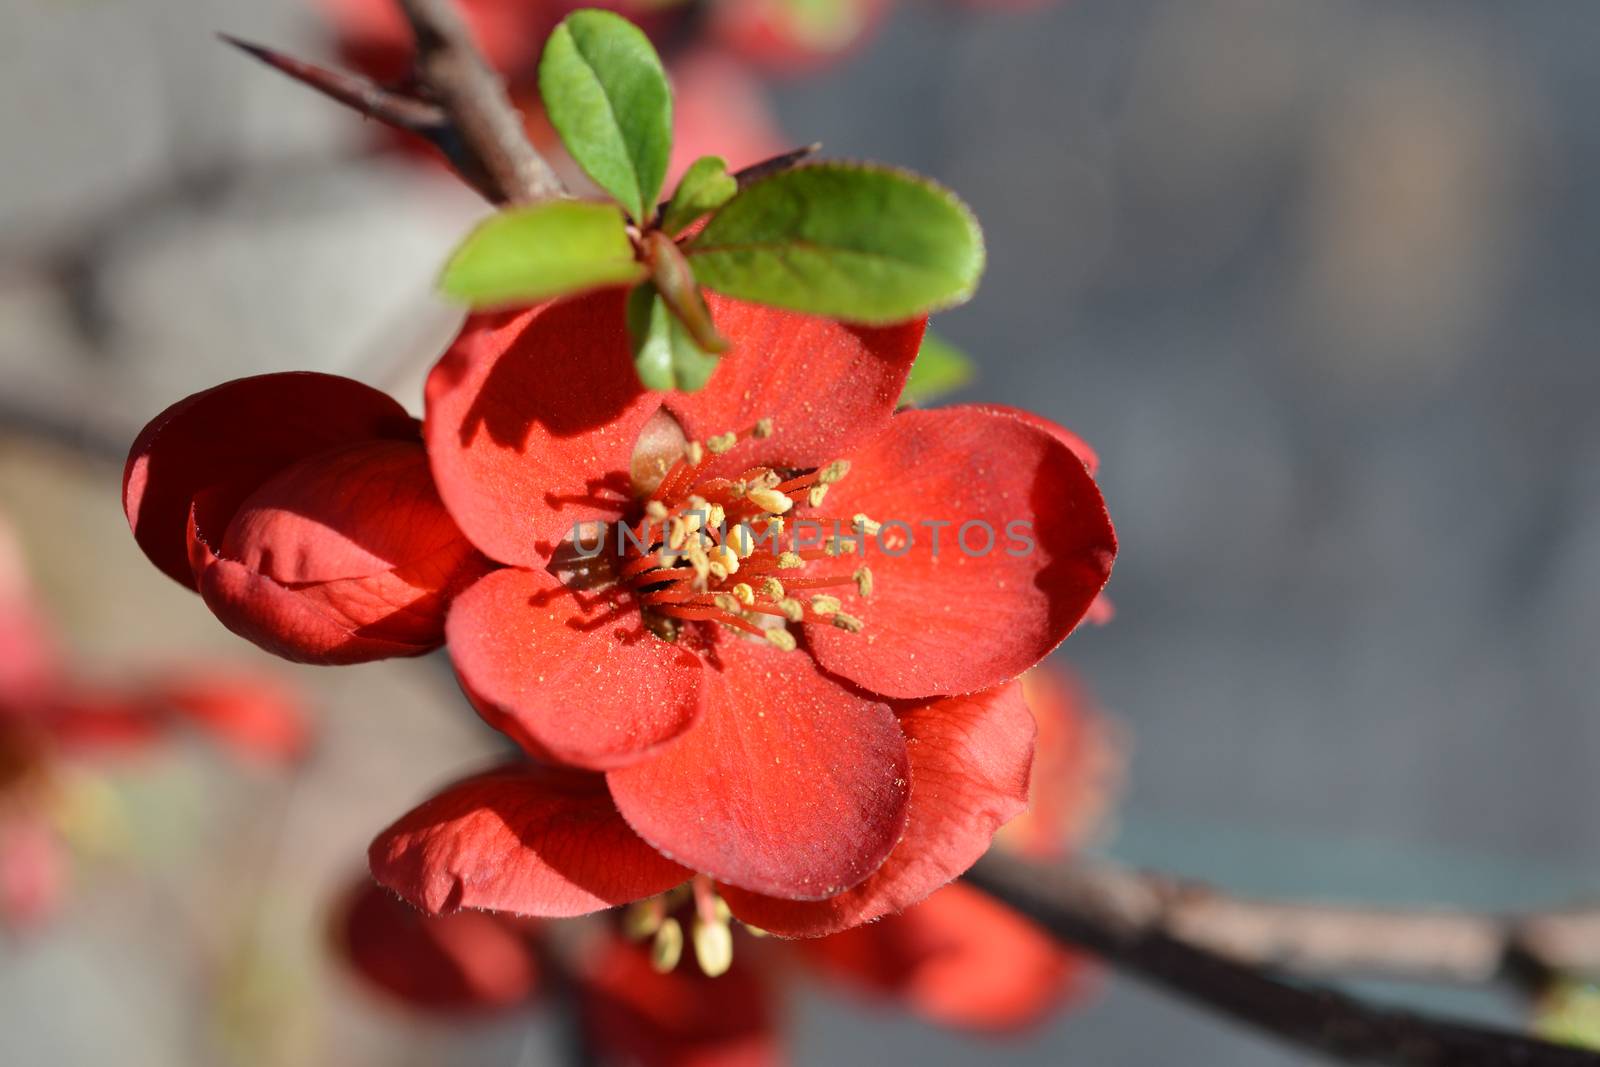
column 1121, row 919
column 493, row 145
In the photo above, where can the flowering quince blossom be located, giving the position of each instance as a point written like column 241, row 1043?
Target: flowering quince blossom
column 957, row 959
column 50, row 721
column 718, row 713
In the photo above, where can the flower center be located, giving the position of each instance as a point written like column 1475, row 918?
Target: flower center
column 737, row 551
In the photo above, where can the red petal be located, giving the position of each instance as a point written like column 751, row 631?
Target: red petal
column 468, row 962
column 788, row 783
column 532, row 417
column 827, row 387
column 564, row 676
column 33, row 871
column 970, row 758
column 232, row 438
column 259, row 718
column 525, row 839
column 101, row 721
column 957, row 959
column 30, row 662
column 633, row 1015
column 1077, row 768
column 945, row 619
column 343, row 557
column 1080, row 447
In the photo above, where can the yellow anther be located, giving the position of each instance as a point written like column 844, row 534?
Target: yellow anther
column 825, row 605
column 726, row 557
column 763, row 429
column 834, row 471
column 677, row 533
column 644, row 918
column 728, row 602
column 792, row 609
column 716, row 515
column 770, row 501
column 667, row 948
column 717, row 571
column 769, row 479
column 754, row 931
column 694, row 452
column 775, row 527
column 745, row 594
column 815, row 495
column 789, row 561
column 863, row 577
column 781, row 639
column 742, row 541
column 655, row 510
column 848, row 623
column 840, row 546
column 772, row 589
column 713, row 947
column 721, row 443
column 866, row 525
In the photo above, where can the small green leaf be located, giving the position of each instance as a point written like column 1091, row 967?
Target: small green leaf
column 534, row 253
column 940, row 368
column 1569, row 1013
column 664, row 354
column 704, row 187
column 850, row 241
column 608, row 98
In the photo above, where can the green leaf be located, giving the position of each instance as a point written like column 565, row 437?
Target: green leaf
column 530, row 254
column 940, row 368
column 608, row 98
column 664, row 354
column 704, row 187
column 849, row 241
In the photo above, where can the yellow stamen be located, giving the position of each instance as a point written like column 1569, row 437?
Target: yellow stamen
column 848, row 623
column 815, row 495
column 667, row 949
column 834, row 471
column 789, row 561
column 763, row 429
column 713, row 947
column 721, row 443
column 772, row 589
column 770, row 500
column 863, row 577
column 825, row 605
column 792, row 609
column 744, row 594
column 780, row 639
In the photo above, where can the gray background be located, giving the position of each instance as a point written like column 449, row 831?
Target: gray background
column 1316, row 278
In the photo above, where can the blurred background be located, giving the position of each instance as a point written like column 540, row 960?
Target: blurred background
column 1315, row 277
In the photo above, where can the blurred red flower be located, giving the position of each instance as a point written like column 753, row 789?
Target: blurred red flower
column 50, row 719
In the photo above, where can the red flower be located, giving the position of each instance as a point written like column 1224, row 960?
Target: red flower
column 464, row 964
column 48, row 718
column 826, row 768
column 300, row 507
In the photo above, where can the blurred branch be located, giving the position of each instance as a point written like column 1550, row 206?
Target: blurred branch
column 459, row 104
column 1214, row 950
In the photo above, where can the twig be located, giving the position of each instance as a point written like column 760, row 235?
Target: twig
column 1104, row 913
column 1418, row 944
column 459, row 104
column 492, row 140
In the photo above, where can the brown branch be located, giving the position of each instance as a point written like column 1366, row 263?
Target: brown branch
column 459, row 105
column 491, row 136
column 1128, row 921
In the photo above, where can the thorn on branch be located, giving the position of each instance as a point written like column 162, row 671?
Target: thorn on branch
column 400, row 110
column 776, row 165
